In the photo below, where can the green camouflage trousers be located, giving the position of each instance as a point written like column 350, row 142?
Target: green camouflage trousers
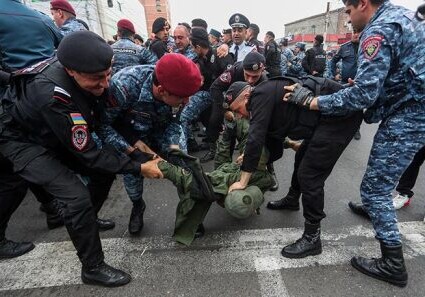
column 192, row 210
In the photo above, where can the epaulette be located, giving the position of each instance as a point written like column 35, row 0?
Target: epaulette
column 34, row 69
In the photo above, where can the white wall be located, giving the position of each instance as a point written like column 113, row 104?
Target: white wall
column 91, row 11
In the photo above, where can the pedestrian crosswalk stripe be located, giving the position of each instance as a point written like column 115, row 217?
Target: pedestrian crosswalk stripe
column 56, row 264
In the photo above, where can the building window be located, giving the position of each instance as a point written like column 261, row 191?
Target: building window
column 158, row 5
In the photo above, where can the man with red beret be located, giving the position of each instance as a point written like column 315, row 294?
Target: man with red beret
column 142, row 99
column 126, row 52
column 64, row 16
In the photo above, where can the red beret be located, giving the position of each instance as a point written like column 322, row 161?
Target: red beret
column 62, row 5
column 178, row 75
column 126, row 24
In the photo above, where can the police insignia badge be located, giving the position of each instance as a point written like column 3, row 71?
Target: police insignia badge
column 255, row 67
column 371, row 46
column 79, row 137
column 237, row 18
column 225, row 77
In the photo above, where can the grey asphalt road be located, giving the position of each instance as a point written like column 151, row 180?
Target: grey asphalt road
column 235, row 258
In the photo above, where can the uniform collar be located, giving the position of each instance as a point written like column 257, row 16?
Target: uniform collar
column 378, row 13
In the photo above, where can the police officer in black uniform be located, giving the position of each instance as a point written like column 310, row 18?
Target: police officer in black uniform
column 251, row 70
column 45, row 138
column 272, row 54
column 252, row 37
column 314, row 62
column 158, row 45
column 271, row 120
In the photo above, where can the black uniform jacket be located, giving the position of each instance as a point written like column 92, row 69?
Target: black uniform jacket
column 228, row 77
column 271, row 120
column 50, row 110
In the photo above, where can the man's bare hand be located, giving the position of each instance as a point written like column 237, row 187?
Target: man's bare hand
column 290, row 89
column 239, row 160
column 141, row 146
column 237, row 186
column 150, row 169
column 222, row 50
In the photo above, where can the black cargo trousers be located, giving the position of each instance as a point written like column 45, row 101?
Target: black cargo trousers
column 58, row 177
column 317, row 157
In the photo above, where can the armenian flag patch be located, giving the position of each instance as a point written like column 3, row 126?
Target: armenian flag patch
column 78, row 119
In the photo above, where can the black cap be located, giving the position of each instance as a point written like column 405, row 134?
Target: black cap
column 227, row 31
column 215, row 33
column 284, row 42
column 159, row 24
column 270, row 33
column 319, row 39
column 199, row 36
column 253, row 61
column 233, row 92
column 85, row 51
column 255, row 28
column 239, row 20
column 199, row 23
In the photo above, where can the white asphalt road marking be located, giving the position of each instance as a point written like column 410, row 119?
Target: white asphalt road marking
column 56, row 263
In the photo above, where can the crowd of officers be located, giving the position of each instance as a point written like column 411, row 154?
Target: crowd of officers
column 77, row 110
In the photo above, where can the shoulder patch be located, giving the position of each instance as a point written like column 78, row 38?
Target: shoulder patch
column 80, row 137
column 77, row 119
column 226, row 77
column 371, row 46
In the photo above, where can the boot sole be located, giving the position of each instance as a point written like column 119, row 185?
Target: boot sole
column 97, row 283
column 394, row 282
column 303, row 255
column 284, row 208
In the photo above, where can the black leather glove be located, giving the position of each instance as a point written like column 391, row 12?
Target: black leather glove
column 301, row 96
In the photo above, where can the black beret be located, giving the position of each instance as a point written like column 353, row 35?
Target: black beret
column 227, row 31
column 85, row 51
column 255, row 28
column 159, row 24
column 215, row 33
column 199, row 23
column 233, row 92
column 253, row 61
column 270, row 33
column 199, row 36
column 239, row 20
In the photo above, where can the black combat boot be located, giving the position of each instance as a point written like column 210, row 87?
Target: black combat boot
column 209, row 156
column 105, row 224
column 289, row 202
column 11, row 249
column 275, row 186
column 52, row 210
column 104, row 275
column 358, row 209
column 200, row 231
column 136, row 218
column 308, row 245
column 389, row 268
